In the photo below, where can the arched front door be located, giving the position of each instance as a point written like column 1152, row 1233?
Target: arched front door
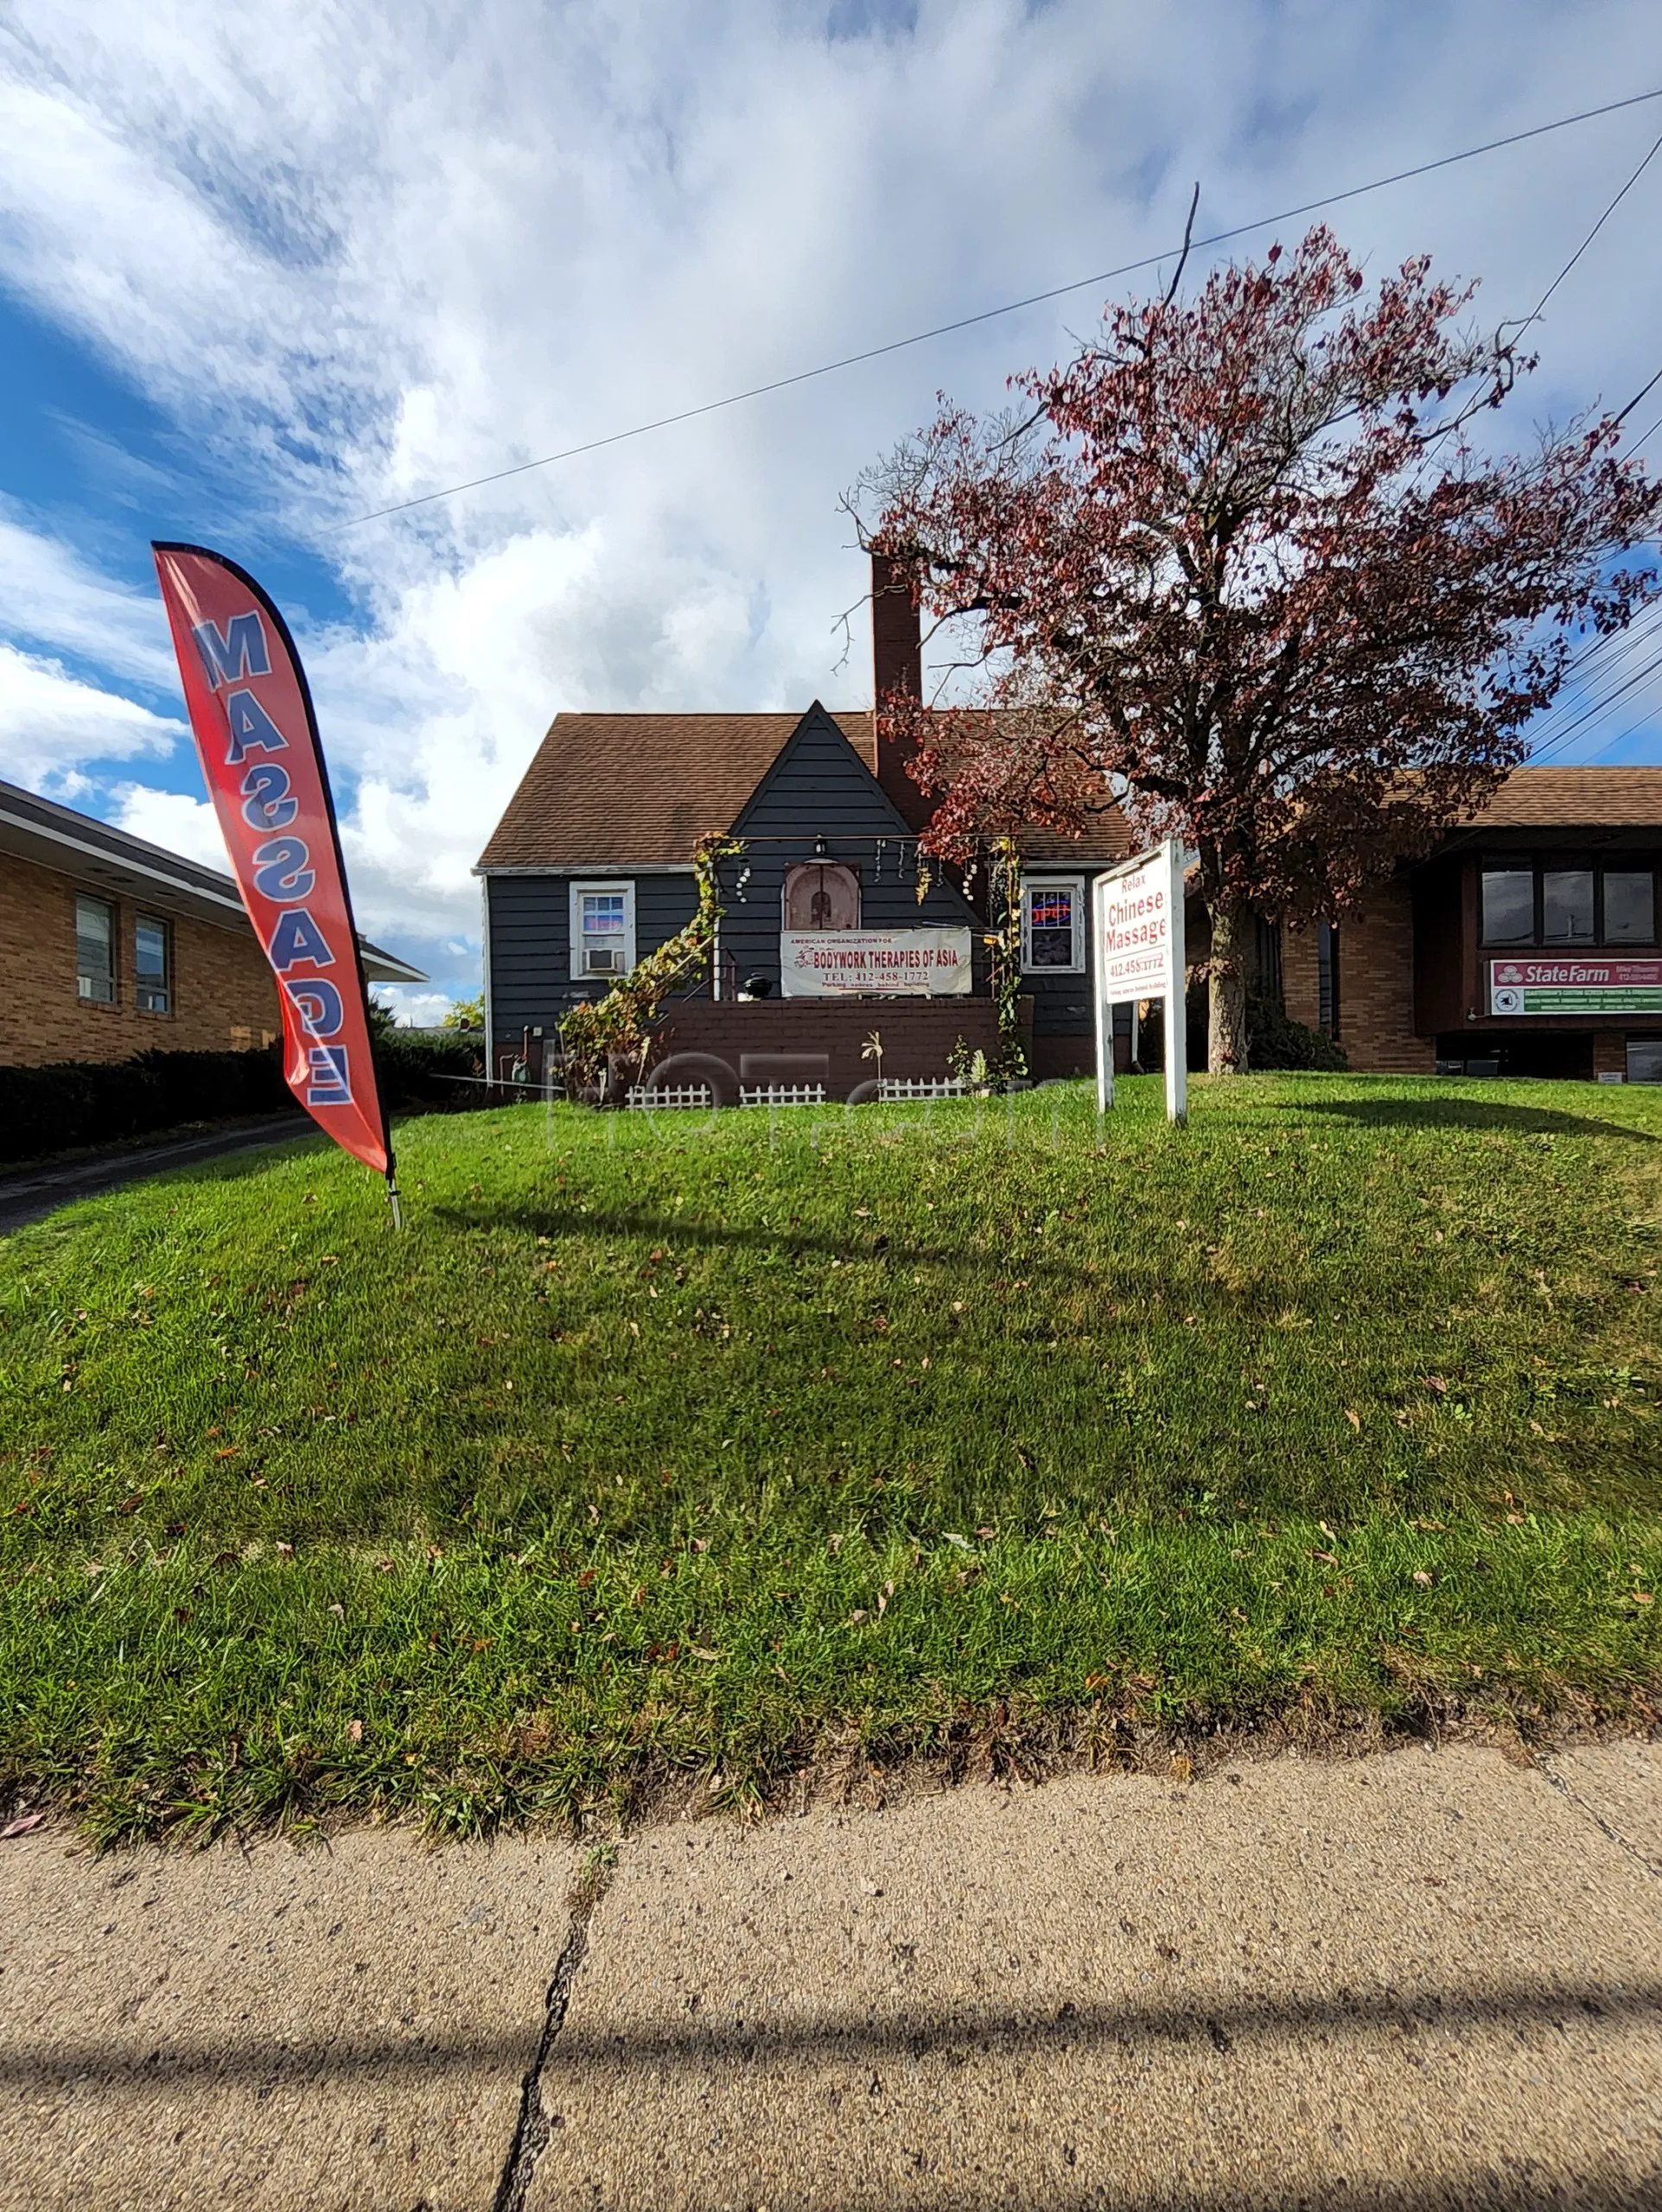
column 821, row 895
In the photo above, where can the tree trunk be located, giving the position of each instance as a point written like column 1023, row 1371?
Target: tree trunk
column 1232, row 930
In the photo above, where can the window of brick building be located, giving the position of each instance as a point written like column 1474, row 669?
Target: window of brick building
column 1629, row 906
column 152, row 965
column 1569, row 906
column 1269, row 981
column 1327, row 977
column 1508, row 905
column 95, row 950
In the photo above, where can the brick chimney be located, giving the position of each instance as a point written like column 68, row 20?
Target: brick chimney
column 897, row 671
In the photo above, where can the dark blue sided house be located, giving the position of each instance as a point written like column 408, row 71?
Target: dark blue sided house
column 835, row 924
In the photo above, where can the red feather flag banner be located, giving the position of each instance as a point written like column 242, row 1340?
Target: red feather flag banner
column 251, row 713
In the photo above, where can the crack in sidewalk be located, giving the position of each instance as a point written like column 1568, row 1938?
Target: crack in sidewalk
column 1623, row 1843
column 532, row 2130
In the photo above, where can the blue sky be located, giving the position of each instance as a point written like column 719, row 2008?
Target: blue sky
column 261, row 271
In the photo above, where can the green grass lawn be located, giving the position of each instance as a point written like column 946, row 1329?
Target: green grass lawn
column 707, row 1448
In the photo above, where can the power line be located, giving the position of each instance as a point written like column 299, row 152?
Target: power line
column 1576, row 721
column 1015, row 307
column 1638, row 395
column 1609, row 651
column 1594, row 232
column 1567, row 716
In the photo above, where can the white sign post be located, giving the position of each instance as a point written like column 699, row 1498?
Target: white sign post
column 1137, row 922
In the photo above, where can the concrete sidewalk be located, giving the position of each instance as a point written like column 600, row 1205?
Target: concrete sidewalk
column 1431, row 1979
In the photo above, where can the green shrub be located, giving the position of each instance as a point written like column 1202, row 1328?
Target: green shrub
column 71, row 1103
column 420, row 1070
column 1274, row 1039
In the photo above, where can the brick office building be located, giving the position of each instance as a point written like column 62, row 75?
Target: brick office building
column 1526, row 944
column 111, row 946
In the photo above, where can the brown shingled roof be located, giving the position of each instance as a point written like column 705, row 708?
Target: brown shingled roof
column 1576, row 798
column 639, row 791
column 1106, row 838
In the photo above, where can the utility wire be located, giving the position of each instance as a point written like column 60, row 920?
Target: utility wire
column 1034, row 299
column 1609, row 211
column 1609, row 651
column 1577, row 721
column 1556, row 731
column 1612, row 654
column 1638, row 395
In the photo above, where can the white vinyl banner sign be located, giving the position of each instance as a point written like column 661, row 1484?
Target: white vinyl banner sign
column 1137, row 932
column 866, row 964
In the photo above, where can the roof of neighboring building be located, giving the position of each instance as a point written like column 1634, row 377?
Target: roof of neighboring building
column 54, row 836
column 1576, row 798
column 639, row 791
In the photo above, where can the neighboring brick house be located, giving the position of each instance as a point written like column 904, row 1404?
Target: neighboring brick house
column 111, row 946
column 591, row 868
column 1526, row 944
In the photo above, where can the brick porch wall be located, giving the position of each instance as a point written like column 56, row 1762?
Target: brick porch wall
column 917, row 1034
column 1300, row 992
column 1376, row 985
column 224, row 998
column 1609, row 1052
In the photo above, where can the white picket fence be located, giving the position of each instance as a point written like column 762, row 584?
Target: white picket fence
column 673, row 1098
column 893, row 1089
column 699, row 1098
column 782, row 1093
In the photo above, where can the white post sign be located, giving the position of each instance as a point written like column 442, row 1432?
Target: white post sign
column 1137, row 922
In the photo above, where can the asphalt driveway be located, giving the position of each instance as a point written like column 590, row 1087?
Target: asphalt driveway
column 33, row 1192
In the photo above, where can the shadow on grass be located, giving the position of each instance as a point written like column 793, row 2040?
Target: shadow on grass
column 1143, row 1281
column 1461, row 1114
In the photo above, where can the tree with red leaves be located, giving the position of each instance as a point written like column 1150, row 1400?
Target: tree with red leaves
column 1241, row 563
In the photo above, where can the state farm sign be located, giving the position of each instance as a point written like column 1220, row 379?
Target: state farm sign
column 1575, row 986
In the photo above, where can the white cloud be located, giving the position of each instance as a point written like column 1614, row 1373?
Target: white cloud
column 358, row 254
column 50, row 596
column 53, row 725
column 173, row 820
column 414, row 1009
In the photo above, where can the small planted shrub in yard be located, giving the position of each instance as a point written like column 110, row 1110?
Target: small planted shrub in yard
column 1275, row 1040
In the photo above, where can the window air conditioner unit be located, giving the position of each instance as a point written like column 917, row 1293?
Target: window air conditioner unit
column 603, row 961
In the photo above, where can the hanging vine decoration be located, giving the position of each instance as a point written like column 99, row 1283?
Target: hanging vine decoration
column 1005, row 906
column 614, row 1033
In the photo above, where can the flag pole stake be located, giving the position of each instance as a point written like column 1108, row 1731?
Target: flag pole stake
column 392, row 1200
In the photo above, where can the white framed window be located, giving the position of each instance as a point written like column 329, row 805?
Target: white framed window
column 602, row 931
column 152, row 968
column 95, row 950
column 1053, row 925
